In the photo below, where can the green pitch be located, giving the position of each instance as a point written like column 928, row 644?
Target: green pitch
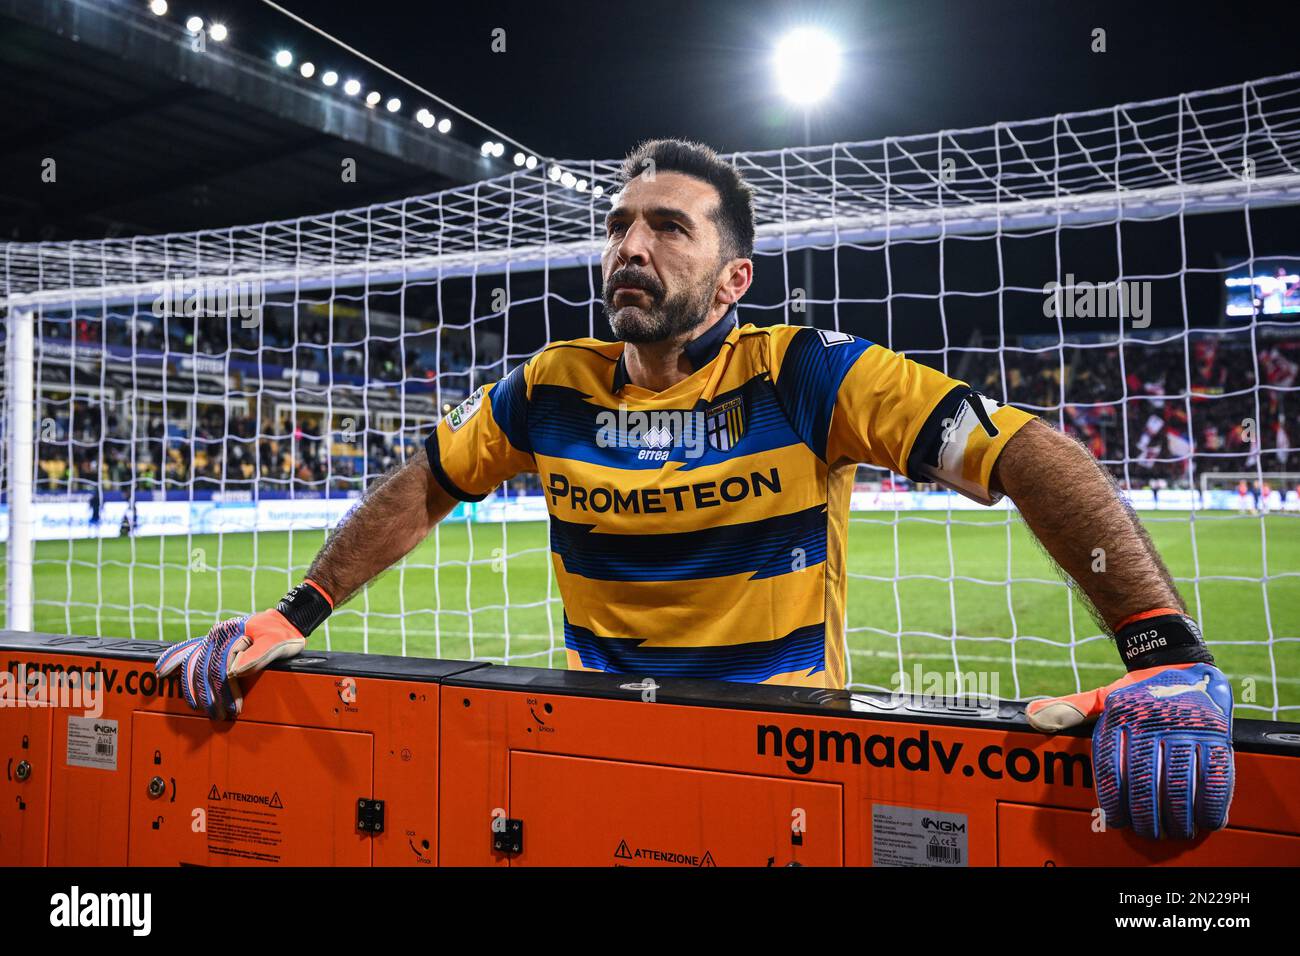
column 484, row 591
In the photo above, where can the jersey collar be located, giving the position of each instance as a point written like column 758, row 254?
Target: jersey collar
column 700, row 351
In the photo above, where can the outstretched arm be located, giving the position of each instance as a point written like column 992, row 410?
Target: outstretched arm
column 396, row 513
column 1162, row 746
column 1075, row 510
column 466, row 456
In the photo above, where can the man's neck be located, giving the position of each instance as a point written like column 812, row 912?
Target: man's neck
column 658, row 366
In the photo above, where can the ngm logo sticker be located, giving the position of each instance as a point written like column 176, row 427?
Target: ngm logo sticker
column 943, row 826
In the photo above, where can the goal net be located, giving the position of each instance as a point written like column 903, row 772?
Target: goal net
column 186, row 415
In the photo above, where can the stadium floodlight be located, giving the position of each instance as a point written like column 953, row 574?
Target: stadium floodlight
column 581, row 186
column 530, row 162
column 567, row 180
column 555, row 173
column 329, row 78
column 486, row 148
column 158, row 7
column 308, row 69
column 393, row 105
column 519, row 159
column 807, row 62
column 352, row 87
column 194, row 24
column 218, row 32
column 444, row 126
column 283, row 58
column 498, row 150
column 373, row 98
column 598, row 191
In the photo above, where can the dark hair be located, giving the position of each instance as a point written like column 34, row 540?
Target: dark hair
column 734, row 215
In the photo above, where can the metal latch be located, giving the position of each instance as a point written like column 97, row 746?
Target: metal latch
column 370, row 815
column 508, row 836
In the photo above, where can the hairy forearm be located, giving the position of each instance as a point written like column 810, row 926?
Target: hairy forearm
column 1075, row 510
column 397, row 512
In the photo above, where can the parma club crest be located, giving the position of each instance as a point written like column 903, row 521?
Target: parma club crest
column 725, row 424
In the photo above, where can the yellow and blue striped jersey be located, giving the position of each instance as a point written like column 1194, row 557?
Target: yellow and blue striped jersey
column 701, row 531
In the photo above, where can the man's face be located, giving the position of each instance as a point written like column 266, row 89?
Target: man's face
column 661, row 261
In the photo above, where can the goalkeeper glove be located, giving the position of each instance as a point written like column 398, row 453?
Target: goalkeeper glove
column 210, row 665
column 1162, row 749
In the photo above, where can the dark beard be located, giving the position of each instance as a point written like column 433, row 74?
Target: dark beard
column 667, row 317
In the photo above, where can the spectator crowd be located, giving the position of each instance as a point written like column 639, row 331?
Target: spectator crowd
column 1149, row 411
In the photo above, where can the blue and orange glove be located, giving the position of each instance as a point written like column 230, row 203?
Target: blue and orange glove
column 210, row 666
column 1162, row 749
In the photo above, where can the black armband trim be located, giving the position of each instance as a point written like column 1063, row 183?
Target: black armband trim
column 1161, row 640
column 305, row 608
column 435, row 465
column 929, row 440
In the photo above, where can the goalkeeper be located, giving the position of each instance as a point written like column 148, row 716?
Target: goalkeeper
column 697, row 473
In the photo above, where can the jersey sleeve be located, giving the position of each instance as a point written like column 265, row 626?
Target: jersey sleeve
column 852, row 399
column 483, row 441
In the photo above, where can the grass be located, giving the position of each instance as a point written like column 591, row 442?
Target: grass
column 485, row 591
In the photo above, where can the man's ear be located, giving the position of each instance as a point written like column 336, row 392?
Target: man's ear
column 734, row 281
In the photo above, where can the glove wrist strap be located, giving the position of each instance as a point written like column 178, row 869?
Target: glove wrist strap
column 1161, row 637
column 306, row 607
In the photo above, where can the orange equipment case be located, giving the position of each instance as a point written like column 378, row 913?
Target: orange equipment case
column 362, row 760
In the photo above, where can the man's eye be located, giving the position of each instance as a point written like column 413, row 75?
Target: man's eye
column 671, row 226
column 616, row 227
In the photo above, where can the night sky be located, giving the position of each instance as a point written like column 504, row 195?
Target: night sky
column 581, row 79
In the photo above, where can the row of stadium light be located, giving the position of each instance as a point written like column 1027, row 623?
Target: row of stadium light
column 351, row 87
column 217, row 31
column 556, row 173
column 569, row 181
column 807, row 64
column 330, row 78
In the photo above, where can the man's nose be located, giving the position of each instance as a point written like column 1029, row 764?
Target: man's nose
column 634, row 247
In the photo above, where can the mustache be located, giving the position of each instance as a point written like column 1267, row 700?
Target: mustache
column 636, row 279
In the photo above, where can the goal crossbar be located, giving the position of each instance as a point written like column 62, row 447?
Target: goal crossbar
column 1212, row 151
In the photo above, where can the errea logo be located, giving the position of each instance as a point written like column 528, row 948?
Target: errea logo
column 657, row 437
column 656, row 443
column 78, row 909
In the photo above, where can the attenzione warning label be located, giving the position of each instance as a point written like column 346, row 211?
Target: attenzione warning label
column 245, row 826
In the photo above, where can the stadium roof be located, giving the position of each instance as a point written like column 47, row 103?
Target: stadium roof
column 150, row 136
